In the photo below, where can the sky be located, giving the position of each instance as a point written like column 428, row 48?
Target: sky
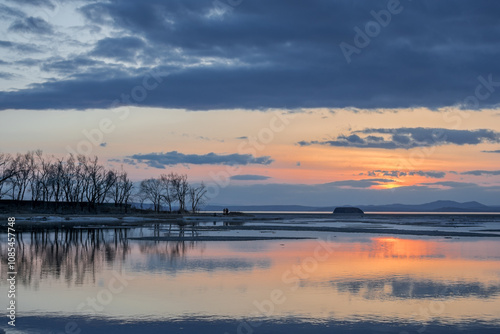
column 268, row 102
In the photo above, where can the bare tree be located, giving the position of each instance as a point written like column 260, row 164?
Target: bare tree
column 181, row 187
column 127, row 186
column 122, row 189
column 6, row 171
column 97, row 181
column 151, row 189
column 42, row 178
column 23, row 165
column 109, row 179
column 55, row 179
column 83, row 180
column 168, row 193
column 72, row 180
column 37, row 179
column 197, row 196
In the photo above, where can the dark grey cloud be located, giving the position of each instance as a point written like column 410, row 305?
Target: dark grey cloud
column 97, row 13
column 366, row 183
column 31, row 25
column 29, row 62
column 407, row 138
column 20, row 47
column 7, row 12
column 481, row 172
column 70, row 66
column 6, row 75
column 36, row 3
column 496, row 151
column 125, row 161
column 123, row 48
column 433, row 174
column 249, row 177
column 396, row 173
column 161, row 160
column 285, row 54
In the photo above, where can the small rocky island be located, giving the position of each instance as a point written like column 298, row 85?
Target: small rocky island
column 348, row 211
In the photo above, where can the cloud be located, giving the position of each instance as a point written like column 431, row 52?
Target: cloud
column 20, row 47
column 96, row 13
column 366, row 183
column 496, row 151
column 408, row 138
column 6, row 76
column 249, row 177
column 160, row 160
column 280, row 54
column 122, row 49
column 70, row 66
column 31, row 25
column 7, row 12
column 481, row 172
column 125, row 161
column 36, row 3
column 451, row 184
column 396, row 173
column 435, row 175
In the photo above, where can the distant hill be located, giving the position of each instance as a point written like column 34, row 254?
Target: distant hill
column 437, row 206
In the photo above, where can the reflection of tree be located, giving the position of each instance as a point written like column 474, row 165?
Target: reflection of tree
column 416, row 288
column 77, row 255
column 74, row 255
column 167, row 250
column 171, row 250
column 179, row 229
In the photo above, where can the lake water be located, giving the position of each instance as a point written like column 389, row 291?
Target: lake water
column 99, row 281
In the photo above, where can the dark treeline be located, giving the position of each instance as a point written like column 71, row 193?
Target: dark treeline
column 172, row 189
column 81, row 182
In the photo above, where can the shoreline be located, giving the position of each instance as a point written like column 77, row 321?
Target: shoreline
column 436, row 225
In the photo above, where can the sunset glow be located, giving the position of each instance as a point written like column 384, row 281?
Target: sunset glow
column 359, row 133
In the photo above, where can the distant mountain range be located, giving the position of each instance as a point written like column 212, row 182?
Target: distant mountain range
column 437, row 206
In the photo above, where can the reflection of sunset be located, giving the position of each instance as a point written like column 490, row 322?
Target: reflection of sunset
column 402, row 248
column 352, row 276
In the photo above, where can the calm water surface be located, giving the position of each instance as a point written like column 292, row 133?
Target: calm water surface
column 93, row 281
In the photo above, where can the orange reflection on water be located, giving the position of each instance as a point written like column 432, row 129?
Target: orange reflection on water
column 375, row 278
column 388, row 247
column 349, row 277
